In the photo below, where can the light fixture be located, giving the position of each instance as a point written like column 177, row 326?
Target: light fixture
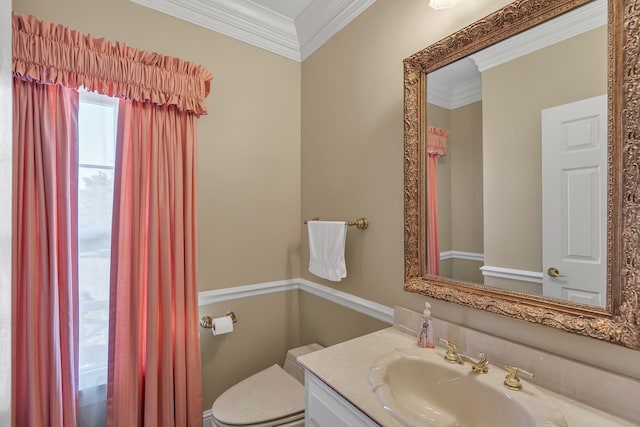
column 442, row 4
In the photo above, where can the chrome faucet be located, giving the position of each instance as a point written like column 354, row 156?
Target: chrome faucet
column 480, row 366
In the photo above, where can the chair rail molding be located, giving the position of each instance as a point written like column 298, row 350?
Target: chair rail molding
column 513, row 274
column 467, row 256
column 361, row 305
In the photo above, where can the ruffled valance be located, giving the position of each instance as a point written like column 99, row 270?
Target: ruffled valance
column 437, row 141
column 53, row 54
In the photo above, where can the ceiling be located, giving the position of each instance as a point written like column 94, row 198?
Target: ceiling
column 291, row 28
column 289, row 8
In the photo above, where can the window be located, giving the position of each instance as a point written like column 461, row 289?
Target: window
column 97, row 118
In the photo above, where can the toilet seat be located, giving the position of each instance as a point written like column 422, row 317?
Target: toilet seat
column 269, row 398
column 293, row 421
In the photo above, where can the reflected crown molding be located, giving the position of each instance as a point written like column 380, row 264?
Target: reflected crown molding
column 294, row 37
column 462, row 83
column 589, row 17
column 457, row 96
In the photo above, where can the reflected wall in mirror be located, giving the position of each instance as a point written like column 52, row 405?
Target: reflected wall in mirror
column 497, row 221
column 493, row 103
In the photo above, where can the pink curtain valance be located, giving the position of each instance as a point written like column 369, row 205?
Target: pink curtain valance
column 437, row 141
column 53, row 54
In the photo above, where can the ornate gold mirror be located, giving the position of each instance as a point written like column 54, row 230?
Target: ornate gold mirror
column 604, row 200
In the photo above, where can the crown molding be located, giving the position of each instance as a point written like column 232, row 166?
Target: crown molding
column 322, row 19
column 251, row 23
column 581, row 20
column 239, row 19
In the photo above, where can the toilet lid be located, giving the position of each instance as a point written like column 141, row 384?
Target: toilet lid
column 270, row 394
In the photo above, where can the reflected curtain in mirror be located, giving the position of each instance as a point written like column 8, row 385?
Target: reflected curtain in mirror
column 436, row 147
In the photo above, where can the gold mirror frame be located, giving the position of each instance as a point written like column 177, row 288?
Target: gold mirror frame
column 619, row 322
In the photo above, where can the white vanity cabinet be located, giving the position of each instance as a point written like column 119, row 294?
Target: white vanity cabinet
column 326, row 408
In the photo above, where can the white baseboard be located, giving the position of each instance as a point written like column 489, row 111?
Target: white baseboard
column 361, row 305
column 206, row 418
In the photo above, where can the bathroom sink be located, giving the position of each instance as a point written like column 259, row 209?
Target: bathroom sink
column 419, row 388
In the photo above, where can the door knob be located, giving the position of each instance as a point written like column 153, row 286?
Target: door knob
column 554, row 272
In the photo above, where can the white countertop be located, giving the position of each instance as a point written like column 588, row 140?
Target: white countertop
column 345, row 368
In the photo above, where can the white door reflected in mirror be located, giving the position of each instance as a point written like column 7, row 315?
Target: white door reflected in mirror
column 574, row 200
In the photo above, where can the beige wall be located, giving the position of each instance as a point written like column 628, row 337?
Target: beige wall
column 467, row 231
column 258, row 181
column 352, row 136
column 466, row 179
column 467, row 270
column 327, row 323
column 514, row 94
column 352, row 151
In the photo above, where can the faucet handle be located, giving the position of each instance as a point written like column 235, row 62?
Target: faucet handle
column 447, row 343
column 512, row 381
column 451, row 355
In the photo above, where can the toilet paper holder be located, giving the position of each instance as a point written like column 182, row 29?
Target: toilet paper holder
column 206, row 322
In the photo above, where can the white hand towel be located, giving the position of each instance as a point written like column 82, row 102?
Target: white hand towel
column 326, row 249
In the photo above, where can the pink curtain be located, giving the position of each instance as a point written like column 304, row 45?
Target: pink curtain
column 153, row 324
column 45, row 252
column 436, row 147
column 54, row 54
column 154, row 353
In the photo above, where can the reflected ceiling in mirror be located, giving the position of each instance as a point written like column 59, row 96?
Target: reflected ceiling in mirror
column 490, row 102
column 617, row 319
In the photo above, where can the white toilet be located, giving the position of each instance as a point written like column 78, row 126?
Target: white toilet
column 272, row 397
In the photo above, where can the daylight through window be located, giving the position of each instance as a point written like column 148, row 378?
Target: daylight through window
column 97, row 118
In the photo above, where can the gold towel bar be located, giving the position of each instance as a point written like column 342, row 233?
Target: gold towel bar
column 207, row 322
column 360, row 223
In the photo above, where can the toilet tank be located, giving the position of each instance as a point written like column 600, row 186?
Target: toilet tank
column 291, row 365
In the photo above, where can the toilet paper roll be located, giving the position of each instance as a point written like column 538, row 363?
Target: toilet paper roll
column 222, row 325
